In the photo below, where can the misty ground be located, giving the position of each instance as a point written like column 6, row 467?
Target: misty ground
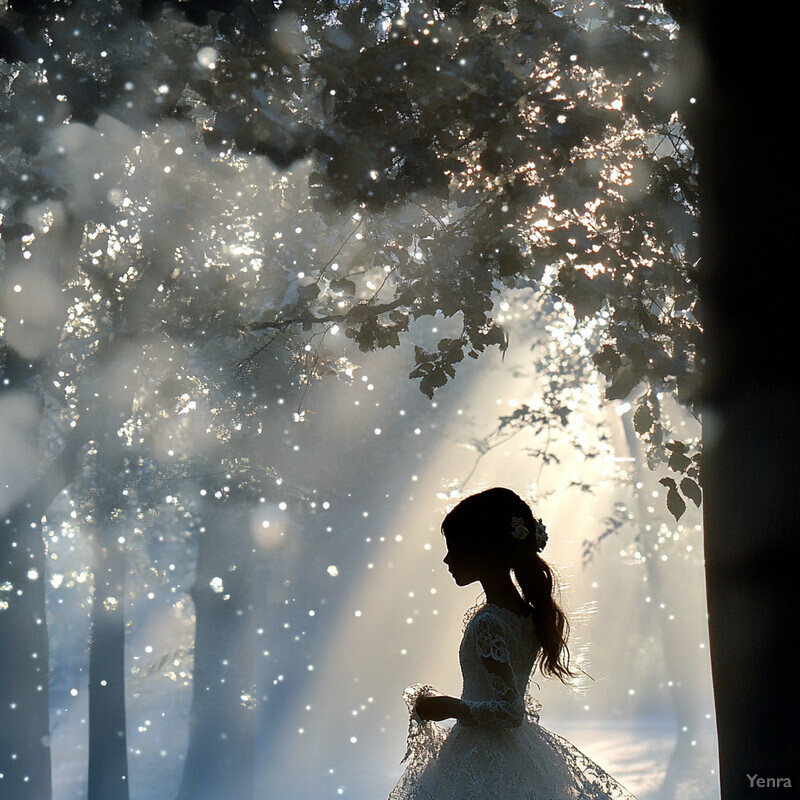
column 636, row 754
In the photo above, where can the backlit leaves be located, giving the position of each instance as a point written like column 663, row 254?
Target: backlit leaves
column 480, row 148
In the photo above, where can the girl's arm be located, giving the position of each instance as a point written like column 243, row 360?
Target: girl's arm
column 441, row 707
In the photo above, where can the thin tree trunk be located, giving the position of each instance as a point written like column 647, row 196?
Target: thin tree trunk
column 107, row 407
column 25, row 769
column 680, row 658
column 24, row 658
column 220, row 757
column 108, row 751
column 24, row 678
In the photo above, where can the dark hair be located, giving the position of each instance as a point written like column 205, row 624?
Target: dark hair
column 483, row 522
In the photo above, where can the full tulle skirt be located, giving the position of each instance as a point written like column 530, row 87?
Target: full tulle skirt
column 526, row 762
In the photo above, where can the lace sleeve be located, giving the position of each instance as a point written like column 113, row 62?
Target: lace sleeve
column 505, row 707
column 424, row 736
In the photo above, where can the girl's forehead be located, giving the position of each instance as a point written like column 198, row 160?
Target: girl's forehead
column 455, row 538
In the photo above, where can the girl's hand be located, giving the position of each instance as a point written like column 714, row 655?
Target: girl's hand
column 441, row 707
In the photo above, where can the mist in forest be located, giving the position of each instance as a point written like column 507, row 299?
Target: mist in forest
column 354, row 604
column 249, row 363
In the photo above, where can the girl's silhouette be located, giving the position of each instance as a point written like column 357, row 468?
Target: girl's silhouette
column 497, row 750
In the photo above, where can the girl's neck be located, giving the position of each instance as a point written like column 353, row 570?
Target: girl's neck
column 500, row 591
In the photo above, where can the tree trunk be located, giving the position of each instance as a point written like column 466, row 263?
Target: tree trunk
column 752, row 521
column 24, row 677
column 219, row 761
column 108, row 750
column 24, row 658
column 751, row 429
column 682, row 662
column 25, row 771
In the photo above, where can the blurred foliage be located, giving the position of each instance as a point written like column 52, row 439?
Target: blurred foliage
column 421, row 159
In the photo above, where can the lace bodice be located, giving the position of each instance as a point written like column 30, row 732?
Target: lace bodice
column 497, row 655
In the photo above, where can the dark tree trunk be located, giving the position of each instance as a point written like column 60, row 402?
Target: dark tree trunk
column 108, row 751
column 24, row 652
column 108, row 401
column 219, row 761
column 24, row 658
column 752, row 520
column 745, row 142
column 24, row 678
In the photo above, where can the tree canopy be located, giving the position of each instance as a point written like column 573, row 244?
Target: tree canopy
column 450, row 151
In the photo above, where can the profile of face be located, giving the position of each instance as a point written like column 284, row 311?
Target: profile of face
column 465, row 567
column 477, row 532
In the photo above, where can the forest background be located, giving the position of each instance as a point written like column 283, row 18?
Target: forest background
column 211, row 214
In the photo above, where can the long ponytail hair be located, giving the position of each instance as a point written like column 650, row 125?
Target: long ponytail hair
column 489, row 521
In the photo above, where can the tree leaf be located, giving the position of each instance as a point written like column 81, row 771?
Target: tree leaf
column 308, row 293
column 625, row 380
column 691, row 490
column 343, row 285
column 643, row 418
column 675, row 503
column 678, row 461
column 432, row 381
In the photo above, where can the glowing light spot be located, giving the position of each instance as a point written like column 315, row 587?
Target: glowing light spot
column 207, row 57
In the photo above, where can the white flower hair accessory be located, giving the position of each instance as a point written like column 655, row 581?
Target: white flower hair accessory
column 520, row 531
column 539, row 534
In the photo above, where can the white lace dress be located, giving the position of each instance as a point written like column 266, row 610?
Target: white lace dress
column 504, row 754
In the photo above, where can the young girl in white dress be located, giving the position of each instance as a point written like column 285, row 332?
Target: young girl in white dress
column 497, row 750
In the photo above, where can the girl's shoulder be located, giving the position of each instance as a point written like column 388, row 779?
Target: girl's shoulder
column 501, row 614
